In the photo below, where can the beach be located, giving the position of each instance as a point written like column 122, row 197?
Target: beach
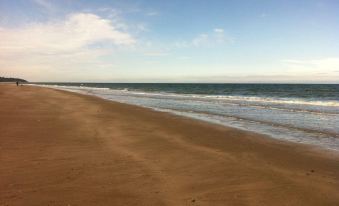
column 63, row 148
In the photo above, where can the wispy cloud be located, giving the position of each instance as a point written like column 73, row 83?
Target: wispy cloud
column 323, row 64
column 152, row 13
column 156, row 53
column 116, row 16
column 216, row 37
column 263, row 15
column 184, row 57
column 175, row 78
column 218, row 30
column 46, row 4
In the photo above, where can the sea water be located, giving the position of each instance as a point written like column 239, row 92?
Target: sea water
column 303, row 113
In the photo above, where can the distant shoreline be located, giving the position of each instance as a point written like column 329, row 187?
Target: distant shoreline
column 10, row 79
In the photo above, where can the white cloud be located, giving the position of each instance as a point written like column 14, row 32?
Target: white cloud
column 79, row 30
column 54, row 46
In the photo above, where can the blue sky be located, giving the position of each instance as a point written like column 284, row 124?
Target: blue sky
column 170, row 41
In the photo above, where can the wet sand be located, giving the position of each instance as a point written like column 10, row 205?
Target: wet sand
column 62, row 148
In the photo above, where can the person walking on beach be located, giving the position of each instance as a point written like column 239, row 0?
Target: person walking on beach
column 17, row 83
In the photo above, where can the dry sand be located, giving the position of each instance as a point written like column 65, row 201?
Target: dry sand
column 60, row 148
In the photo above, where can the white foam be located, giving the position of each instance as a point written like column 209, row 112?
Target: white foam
column 294, row 101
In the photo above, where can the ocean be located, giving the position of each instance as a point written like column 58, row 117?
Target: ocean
column 302, row 113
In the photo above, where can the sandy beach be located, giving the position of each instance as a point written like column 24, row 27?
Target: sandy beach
column 62, row 148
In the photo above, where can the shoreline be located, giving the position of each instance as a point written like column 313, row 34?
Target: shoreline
column 65, row 148
column 311, row 141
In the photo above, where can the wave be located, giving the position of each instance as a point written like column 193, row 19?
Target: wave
column 292, row 105
column 287, row 104
column 282, row 101
column 294, row 101
column 263, row 122
column 71, row 87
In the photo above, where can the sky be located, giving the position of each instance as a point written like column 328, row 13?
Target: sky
column 216, row 41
